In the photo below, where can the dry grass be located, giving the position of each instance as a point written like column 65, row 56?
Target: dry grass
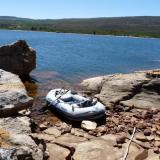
column 4, row 137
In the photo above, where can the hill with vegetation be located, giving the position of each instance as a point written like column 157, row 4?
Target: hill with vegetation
column 146, row 26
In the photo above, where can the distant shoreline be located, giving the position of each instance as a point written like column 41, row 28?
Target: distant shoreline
column 114, row 35
column 136, row 26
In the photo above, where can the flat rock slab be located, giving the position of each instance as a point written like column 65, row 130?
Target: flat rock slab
column 102, row 149
column 45, row 137
column 13, row 95
column 57, row 152
column 52, row 131
column 70, row 140
column 129, row 90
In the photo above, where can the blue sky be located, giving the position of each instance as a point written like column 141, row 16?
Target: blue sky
column 55, row 9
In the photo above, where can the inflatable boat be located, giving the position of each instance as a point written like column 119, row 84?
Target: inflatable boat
column 74, row 106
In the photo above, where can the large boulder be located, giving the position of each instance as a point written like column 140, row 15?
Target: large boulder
column 18, row 58
column 13, row 95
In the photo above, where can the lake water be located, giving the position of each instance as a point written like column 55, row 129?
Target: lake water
column 66, row 58
column 71, row 55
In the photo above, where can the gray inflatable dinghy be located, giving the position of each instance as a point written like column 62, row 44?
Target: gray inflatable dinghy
column 74, row 106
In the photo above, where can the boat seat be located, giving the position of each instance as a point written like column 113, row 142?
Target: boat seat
column 87, row 103
column 67, row 98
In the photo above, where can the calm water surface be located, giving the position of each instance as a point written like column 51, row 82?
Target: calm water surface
column 77, row 55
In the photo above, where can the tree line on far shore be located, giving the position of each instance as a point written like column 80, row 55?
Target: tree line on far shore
column 146, row 26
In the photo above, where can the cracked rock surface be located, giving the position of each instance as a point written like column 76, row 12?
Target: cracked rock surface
column 13, row 95
column 129, row 90
column 15, row 141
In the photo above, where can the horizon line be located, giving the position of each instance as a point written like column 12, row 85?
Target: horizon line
column 78, row 17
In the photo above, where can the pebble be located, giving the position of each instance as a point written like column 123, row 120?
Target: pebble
column 147, row 132
column 25, row 112
column 154, row 111
column 117, row 145
column 154, row 129
column 133, row 120
column 157, row 144
column 157, row 138
column 151, row 138
column 158, row 133
column 101, row 129
column 115, row 121
column 130, row 130
column 92, row 133
column 77, row 132
column 144, row 114
column 156, row 150
column 120, row 140
column 141, row 125
column 42, row 126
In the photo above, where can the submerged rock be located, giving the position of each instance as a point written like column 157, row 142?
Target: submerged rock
column 13, row 95
column 18, row 58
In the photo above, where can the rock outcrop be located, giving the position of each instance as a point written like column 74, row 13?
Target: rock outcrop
column 15, row 141
column 18, row 58
column 128, row 90
column 13, row 95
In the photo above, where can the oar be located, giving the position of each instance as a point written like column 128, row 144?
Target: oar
column 58, row 98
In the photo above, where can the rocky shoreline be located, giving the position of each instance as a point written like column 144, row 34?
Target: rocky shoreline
column 132, row 101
